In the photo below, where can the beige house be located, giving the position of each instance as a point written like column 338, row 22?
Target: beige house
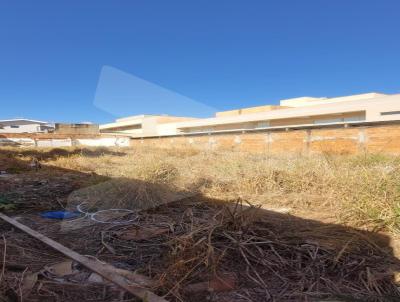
column 143, row 125
column 304, row 111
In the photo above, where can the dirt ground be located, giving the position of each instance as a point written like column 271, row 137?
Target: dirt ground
column 190, row 247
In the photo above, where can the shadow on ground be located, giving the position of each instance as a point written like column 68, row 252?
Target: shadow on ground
column 195, row 248
column 53, row 153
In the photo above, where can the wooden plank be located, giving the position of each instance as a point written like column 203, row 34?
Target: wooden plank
column 105, row 270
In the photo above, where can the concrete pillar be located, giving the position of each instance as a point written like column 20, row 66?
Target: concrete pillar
column 362, row 139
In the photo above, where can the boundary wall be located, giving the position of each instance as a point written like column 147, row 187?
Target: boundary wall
column 338, row 140
column 62, row 140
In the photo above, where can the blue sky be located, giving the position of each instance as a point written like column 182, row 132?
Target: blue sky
column 224, row 54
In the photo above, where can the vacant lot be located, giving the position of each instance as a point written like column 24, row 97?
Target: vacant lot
column 358, row 190
column 203, row 225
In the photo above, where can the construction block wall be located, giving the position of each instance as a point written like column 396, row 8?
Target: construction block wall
column 86, row 129
column 372, row 139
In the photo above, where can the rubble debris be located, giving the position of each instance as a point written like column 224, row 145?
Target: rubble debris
column 95, row 278
column 28, row 283
column 267, row 253
column 105, row 270
column 176, row 250
column 61, row 269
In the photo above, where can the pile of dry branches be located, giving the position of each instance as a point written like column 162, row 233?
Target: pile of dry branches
column 200, row 249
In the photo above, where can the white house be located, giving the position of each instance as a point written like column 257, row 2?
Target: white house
column 21, row 125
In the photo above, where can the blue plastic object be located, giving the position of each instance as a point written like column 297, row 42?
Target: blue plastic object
column 60, row 214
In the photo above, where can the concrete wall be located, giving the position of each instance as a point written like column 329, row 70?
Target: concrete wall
column 104, row 141
column 56, row 140
column 374, row 139
column 76, row 128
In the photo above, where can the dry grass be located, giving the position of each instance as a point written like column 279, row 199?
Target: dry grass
column 283, row 257
column 360, row 190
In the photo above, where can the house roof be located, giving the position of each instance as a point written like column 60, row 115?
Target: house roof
column 23, row 120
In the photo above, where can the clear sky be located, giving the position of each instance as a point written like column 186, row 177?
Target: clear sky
column 224, row 54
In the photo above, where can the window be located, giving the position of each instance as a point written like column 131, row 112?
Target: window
column 348, row 119
column 390, row 112
column 328, row 121
column 353, row 119
column 262, row 124
column 14, row 126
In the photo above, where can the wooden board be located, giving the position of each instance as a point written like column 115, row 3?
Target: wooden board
column 105, row 270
